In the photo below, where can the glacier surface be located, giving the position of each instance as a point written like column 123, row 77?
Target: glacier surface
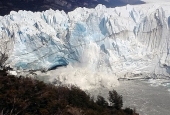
column 96, row 46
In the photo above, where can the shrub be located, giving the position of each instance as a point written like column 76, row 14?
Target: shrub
column 27, row 96
column 101, row 101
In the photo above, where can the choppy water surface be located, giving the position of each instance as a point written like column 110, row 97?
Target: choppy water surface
column 149, row 97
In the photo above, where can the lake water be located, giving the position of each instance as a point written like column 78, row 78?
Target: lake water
column 149, row 97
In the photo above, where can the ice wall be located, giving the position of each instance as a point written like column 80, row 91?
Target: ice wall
column 118, row 42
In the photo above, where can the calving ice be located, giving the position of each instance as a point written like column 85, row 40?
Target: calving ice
column 102, row 44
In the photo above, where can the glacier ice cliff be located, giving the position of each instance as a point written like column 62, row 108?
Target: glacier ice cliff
column 110, row 43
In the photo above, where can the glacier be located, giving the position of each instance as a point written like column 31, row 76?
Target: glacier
column 89, row 46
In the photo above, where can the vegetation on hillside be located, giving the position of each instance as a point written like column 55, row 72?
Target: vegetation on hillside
column 27, row 96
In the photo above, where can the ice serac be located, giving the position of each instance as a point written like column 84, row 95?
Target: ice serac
column 116, row 42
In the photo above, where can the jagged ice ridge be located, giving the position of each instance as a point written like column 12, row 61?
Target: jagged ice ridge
column 97, row 45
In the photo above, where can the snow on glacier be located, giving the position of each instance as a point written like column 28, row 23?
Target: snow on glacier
column 97, row 46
